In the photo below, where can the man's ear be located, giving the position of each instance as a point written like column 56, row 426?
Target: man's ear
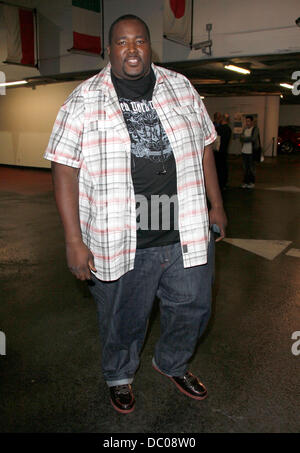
column 108, row 50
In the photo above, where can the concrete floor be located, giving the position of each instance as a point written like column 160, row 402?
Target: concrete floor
column 50, row 379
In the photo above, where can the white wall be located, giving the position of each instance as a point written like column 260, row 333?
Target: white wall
column 239, row 28
column 253, row 27
column 266, row 107
column 26, row 120
column 55, row 35
column 289, row 115
column 27, row 117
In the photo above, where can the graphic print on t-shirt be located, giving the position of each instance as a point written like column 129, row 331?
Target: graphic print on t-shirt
column 148, row 138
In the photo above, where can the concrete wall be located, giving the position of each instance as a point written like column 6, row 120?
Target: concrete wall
column 55, row 35
column 255, row 27
column 239, row 28
column 26, row 120
column 27, row 117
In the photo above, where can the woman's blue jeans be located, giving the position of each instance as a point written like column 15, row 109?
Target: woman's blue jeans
column 124, row 308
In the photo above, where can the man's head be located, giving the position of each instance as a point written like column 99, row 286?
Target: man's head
column 217, row 117
column 249, row 121
column 226, row 118
column 129, row 48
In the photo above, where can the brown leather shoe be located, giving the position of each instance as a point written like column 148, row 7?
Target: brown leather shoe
column 122, row 398
column 187, row 384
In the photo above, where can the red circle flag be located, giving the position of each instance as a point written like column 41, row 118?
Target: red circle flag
column 178, row 8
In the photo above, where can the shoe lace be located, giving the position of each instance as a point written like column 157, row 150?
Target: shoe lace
column 122, row 389
column 190, row 378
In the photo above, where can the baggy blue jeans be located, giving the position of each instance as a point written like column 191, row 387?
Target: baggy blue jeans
column 124, row 308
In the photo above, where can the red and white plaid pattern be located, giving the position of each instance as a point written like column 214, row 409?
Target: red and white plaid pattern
column 90, row 133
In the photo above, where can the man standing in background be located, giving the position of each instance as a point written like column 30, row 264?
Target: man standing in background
column 224, row 131
column 250, row 141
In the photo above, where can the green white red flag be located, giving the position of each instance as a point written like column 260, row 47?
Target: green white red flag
column 20, row 25
column 87, row 26
column 178, row 21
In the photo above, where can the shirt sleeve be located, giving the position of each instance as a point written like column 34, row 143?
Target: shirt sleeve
column 65, row 141
column 209, row 131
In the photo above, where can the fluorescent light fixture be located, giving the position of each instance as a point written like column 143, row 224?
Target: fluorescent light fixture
column 18, row 82
column 287, row 85
column 231, row 67
column 202, row 97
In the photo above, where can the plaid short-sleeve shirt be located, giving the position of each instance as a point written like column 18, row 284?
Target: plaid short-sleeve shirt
column 90, row 134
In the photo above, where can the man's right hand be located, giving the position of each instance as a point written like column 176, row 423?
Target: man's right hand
column 80, row 260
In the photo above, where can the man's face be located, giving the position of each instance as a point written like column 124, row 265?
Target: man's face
column 130, row 50
column 249, row 122
column 217, row 117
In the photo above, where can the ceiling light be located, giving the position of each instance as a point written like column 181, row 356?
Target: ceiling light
column 18, row 82
column 231, row 67
column 287, row 85
column 202, row 97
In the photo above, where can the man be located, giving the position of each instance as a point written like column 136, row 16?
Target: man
column 217, row 142
column 224, row 131
column 250, row 141
column 217, row 119
column 137, row 132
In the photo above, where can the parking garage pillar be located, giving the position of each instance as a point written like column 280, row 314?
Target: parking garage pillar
column 271, row 123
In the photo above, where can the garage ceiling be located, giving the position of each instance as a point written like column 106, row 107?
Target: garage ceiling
column 267, row 72
column 212, row 79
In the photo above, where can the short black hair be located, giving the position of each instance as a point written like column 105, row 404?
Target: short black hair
column 250, row 117
column 126, row 17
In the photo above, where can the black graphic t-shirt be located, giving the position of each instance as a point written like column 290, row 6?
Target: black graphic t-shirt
column 152, row 164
